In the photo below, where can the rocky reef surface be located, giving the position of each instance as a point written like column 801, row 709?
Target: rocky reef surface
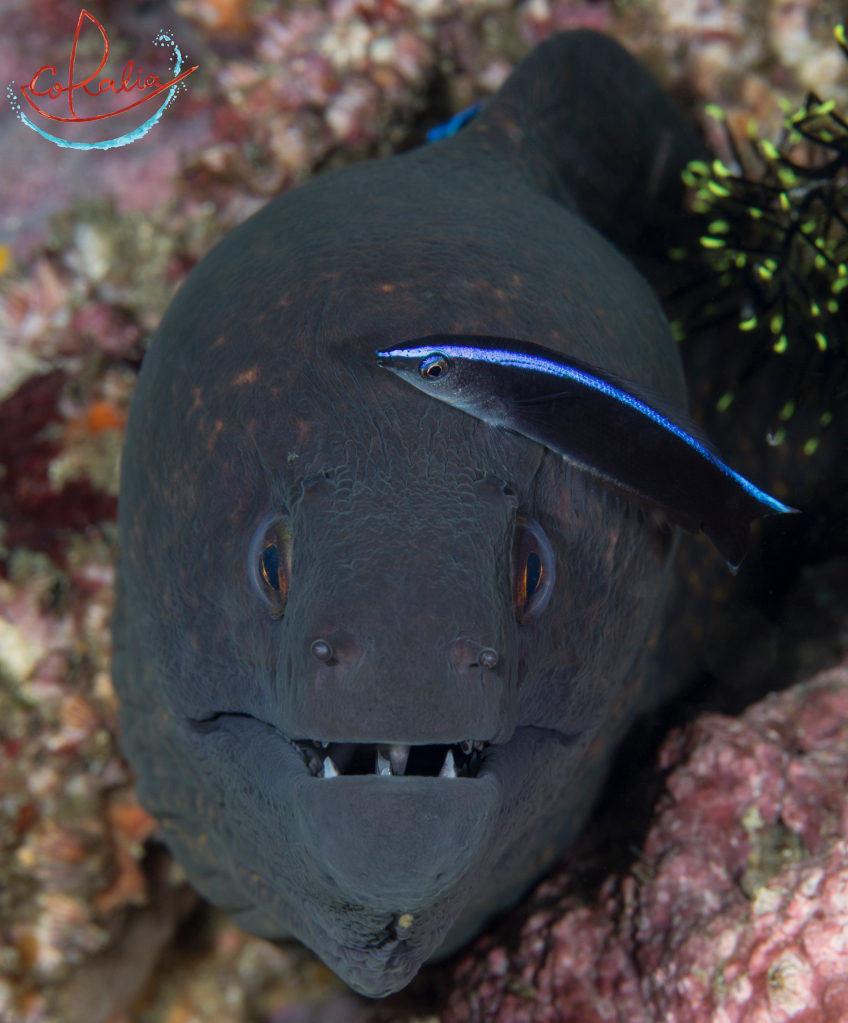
column 735, row 908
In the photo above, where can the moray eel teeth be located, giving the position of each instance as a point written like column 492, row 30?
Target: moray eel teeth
column 448, row 768
column 333, row 759
column 398, row 757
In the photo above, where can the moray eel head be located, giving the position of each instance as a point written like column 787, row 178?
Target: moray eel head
column 373, row 655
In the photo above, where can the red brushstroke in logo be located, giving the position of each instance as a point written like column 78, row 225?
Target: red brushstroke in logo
column 130, row 79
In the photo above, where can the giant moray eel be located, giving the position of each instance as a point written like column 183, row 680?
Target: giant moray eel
column 327, row 578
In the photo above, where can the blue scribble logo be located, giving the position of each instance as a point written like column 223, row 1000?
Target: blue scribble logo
column 45, row 88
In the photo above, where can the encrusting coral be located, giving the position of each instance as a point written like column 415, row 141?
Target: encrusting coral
column 736, row 909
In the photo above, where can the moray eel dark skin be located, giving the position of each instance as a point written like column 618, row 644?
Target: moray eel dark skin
column 373, row 656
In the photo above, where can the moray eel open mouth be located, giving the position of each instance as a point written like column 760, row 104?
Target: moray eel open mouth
column 327, row 759
column 391, row 830
column 331, row 759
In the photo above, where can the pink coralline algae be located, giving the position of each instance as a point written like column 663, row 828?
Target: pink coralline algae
column 737, row 910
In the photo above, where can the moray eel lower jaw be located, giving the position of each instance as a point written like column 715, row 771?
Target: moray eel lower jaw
column 397, row 849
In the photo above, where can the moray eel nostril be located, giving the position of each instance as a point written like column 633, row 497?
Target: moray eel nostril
column 488, row 658
column 322, row 650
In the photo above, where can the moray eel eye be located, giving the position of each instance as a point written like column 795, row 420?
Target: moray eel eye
column 434, row 367
column 534, row 569
column 269, row 562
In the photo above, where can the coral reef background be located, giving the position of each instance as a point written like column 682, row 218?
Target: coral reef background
column 732, row 903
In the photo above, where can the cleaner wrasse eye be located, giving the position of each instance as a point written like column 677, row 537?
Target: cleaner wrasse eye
column 602, row 424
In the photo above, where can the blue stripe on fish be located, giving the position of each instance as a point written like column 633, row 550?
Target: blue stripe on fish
column 605, row 425
column 521, row 361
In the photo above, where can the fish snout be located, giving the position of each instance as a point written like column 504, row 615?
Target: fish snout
column 380, row 686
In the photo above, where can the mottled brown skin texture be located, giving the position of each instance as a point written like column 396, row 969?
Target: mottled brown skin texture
column 261, row 394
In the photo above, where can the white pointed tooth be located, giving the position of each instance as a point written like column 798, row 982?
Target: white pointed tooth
column 398, row 755
column 448, row 770
column 383, row 767
column 330, row 769
column 324, row 744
